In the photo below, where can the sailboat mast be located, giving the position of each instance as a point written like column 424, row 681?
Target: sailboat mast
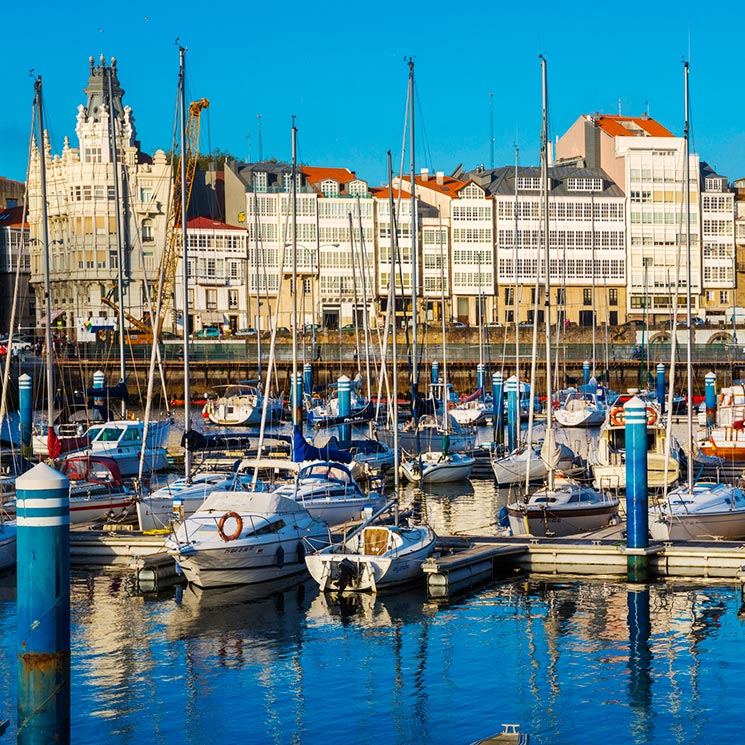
column 47, row 266
column 119, row 248
column 394, row 343
column 414, row 238
column 185, row 258
column 547, row 301
column 296, row 415
column 689, row 351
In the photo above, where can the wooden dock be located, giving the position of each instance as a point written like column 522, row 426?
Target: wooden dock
column 488, row 558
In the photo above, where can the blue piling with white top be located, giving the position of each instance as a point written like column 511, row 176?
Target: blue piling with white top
column 296, row 399
column 308, row 379
column 497, row 387
column 513, row 412
column 435, row 371
column 637, row 517
column 481, row 378
column 711, row 399
column 661, row 386
column 43, row 605
column 586, row 372
column 25, row 411
column 345, row 405
column 99, row 380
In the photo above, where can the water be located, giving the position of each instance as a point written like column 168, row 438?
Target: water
column 571, row 661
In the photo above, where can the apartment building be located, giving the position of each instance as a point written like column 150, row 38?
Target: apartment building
column 333, row 222
column 648, row 163
column 14, row 272
column 88, row 228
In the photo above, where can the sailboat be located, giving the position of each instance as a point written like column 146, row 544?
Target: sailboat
column 377, row 556
column 446, row 466
column 697, row 509
column 239, row 404
column 563, row 506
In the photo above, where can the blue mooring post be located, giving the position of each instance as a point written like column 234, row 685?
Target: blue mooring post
column 435, row 371
column 296, row 399
column 345, row 405
column 308, row 379
column 711, row 399
column 661, row 387
column 43, row 606
column 481, row 378
column 25, row 410
column 586, row 372
column 497, row 387
column 99, row 379
column 637, row 518
column 640, row 660
column 513, row 410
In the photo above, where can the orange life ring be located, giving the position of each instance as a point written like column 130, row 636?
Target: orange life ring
column 238, row 526
column 651, row 416
column 451, row 405
column 618, row 416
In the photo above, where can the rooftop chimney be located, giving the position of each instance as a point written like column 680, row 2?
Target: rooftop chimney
column 425, row 175
column 440, row 177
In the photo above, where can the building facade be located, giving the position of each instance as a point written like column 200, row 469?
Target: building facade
column 16, row 303
column 88, row 229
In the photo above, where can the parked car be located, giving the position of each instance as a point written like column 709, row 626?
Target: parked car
column 348, row 327
column 458, row 325
column 245, row 332
column 696, row 322
column 209, row 332
column 309, row 327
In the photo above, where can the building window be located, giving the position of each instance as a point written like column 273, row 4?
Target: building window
column 561, row 297
column 586, row 296
column 232, row 299
column 147, row 231
column 612, row 296
column 259, row 181
column 528, row 183
column 509, row 295
column 211, row 299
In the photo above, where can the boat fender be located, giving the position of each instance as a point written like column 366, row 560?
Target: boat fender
column 238, row 526
column 504, row 518
column 618, row 416
column 451, row 405
column 280, row 557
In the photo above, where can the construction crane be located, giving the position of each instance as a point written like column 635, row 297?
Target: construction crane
column 172, row 252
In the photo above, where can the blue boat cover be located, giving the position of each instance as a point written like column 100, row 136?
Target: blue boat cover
column 303, row 450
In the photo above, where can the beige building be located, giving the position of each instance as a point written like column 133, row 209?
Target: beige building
column 86, row 224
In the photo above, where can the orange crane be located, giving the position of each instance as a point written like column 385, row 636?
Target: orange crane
column 172, row 252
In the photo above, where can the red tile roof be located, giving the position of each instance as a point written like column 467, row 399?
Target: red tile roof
column 204, row 223
column 317, row 174
column 613, row 125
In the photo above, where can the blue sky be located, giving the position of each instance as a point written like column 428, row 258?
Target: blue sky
column 340, row 69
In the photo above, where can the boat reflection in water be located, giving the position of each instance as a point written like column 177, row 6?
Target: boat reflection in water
column 640, row 664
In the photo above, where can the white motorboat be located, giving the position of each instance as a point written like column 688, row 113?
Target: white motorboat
column 7, row 543
column 97, row 490
column 328, row 491
column 586, row 406
column 181, row 498
column 430, row 436
column 708, row 511
column 511, row 468
column 122, row 441
column 608, row 459
column 437, row 468
column 240, row 404
column 566, row 508
column 373, row 558
column 243, row 538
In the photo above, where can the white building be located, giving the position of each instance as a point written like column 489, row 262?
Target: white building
column 84, row 231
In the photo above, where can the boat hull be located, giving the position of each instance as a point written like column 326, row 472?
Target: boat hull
column 555, row 522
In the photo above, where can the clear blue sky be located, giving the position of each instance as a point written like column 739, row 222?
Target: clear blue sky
column 340, row 69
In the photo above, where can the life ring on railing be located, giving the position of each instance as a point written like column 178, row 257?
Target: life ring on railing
column 463, row 397
column 618, row 416
column 238, row 526
column 651, row 416
column 451, row 405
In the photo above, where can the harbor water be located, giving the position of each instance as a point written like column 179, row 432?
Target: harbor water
column 570, row 660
